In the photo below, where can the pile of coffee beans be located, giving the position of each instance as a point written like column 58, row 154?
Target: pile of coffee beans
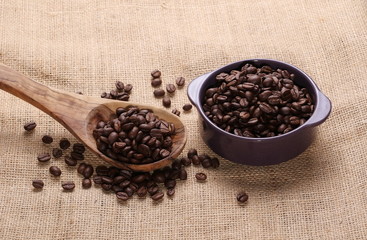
column 121, row 92
column 135, row 136
column 257, row 102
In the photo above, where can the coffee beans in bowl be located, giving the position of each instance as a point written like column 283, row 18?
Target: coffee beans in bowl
column 258, row 111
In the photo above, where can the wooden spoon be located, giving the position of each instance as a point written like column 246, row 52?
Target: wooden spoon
column 80, row 114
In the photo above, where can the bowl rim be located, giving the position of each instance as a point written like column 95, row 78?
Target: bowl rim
column 263, row 139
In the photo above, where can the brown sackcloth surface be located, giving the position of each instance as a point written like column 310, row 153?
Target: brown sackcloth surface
column 87, row 45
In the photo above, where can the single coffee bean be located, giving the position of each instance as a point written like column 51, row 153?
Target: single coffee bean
column 119, row 86
column 68, row 185
column 170, row 183
column 38, row 184
column 78, row 147
column 156, row 73
column 170, row 192
column 200, row 176
column 187, row 107
column 97, row 180
column 180, row 81
column 44, row 157
column 81, row 168
column 156, row 82
column 127, row 89
column 186, row 161
column 86, row 183
column 142, row 191
column 159, row 92
column 242, row 197
column 170, row 88
column 176, row 112
column 122, row 196
column 47, row 139
column 157, row 196
column 195, row 160
column 56, row 152
column 153, row 189
column 215, row 162
column 206, row 163
column 88, row 171
column 192, row 152
column 77, row 155
column 55, row 171
column 183, row 174
column 166, row 101
column 64, row 143
column 29, row 126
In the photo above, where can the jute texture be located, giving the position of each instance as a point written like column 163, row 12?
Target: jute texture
column 87, row 45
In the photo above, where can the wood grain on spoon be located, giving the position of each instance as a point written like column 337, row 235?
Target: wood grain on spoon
column 80, row 114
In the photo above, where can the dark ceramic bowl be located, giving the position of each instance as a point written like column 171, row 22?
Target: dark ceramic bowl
column 259, row 151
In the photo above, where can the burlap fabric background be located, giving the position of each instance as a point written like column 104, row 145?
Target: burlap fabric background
column 87, row 45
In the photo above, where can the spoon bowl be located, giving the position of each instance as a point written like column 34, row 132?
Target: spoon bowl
column 80, row 114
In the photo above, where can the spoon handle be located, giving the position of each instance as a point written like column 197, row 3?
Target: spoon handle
column 68, row 109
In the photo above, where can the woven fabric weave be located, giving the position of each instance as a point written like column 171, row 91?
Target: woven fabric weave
column 88, row 45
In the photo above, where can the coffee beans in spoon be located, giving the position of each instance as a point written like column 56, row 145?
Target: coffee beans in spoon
column 257, row 102
column 135, row 136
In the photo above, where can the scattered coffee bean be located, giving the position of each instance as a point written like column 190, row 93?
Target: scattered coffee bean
column 176, row 112
column 86, row 183
column 142, row 191
column 200, row 176
column 170, row 192
column 159, row 93
column 195, row 160
column 242, row 197
column 78, row 147
column 156, row 73
column 68, row 185
column 81, row 168
column 29, row 126
column 156, row 82
column 38, row 184
column 47, row 139
column 88, row 171
column 122, row 196
column 119, row 86
column 215, row 162
column 170, row 88
column 70, row 161
column 64, row 143
column 186, row 161
column 166, row 101
column 187, row 107
column 192, row 152
column 157, row 196
column 121, row 92
column 56, row 152
column 77, row 156
column 55, row 171
column 128, row 88
column 44, row 157
column 183, row 174
column 257, row 102
column 180, row 81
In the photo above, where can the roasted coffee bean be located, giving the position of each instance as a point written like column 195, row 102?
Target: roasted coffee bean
column 39, row 184
column 170, row 88
column 68, row 185
column 97, row 180
column 139, row 178
column 120, row 86
column 195, row 160
column 56, row 152
column 186, row 161
column 88, row 171
column 64, row 143
column 29, row 126
column 159, row 93
column 81, row 168
column 200, row 176
column 242, row 197
column 170, row 183
column 128, row 88
column 206, row 163
column 158, row 176
column 77, row 156
column 215, row 162
column 192, row 152
column 122, row 196
column 44, row 157
column 156, row 73
column 156, row 82
column 142, row 191
column 180, row 81
column 183, row 174
column 153, row 189
column 47, row 139
column 187, row 107
column 166, row 101
column 176, row 112
column 78, row 147
column 55, row 171
column 86, row 183
column 170, row 192
column 157, row 196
